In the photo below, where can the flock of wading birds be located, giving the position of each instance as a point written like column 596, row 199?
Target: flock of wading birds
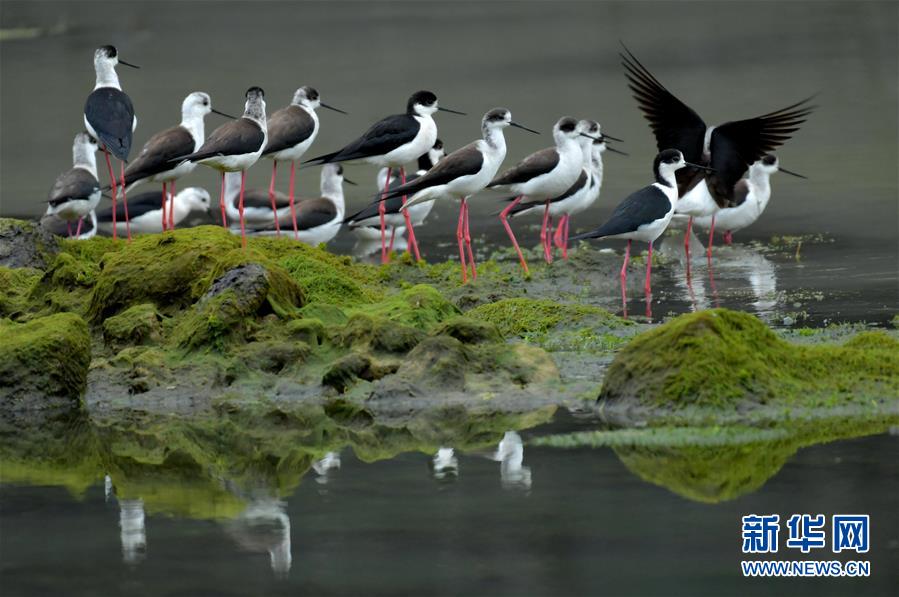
column 710, row 175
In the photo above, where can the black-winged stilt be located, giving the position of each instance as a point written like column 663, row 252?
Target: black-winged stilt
column 291, row 131
column 393, row 142
column 543, row 174
column 235, row 146
column 109, row 116
column 462, row 173
column 153, row 164
column 146, row 210
column 76, row 192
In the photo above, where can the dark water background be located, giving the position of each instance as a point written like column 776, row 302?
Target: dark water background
column 542, row 60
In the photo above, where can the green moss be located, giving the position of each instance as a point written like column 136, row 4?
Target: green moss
column 719, row 358
column 523, row 316
column 331, row 279
column 136, row 325
column 421, row 307
column 48, row 356
column 16, row 286
column 272, row 356
column 470, row 331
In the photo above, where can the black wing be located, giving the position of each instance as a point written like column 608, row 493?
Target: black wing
column 674, row 124
column 159, row 152
column 110, row 113
column 232, row 138
column 312, row 213
column 259, row 198
column 381, row 138
column 391, row 206
column 462, row 162
column 138, row 205
column 737, row 145
column 288, row 127
column 741, row 191
column 642, row 207
column 530, row 167
column 77, row 183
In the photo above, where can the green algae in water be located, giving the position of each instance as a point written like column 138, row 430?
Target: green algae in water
column 715, row 464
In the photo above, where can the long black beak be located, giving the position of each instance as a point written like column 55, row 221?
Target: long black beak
column 698, row 167
column 128, row 63
column 613, row 150
column 796, row 174
column 324, row 105
column 348, row 181
column 518, row 126
column 214, row 111
column 608, row 136
column 442, row 109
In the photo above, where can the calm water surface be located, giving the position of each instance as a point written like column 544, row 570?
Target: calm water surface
column 554, row 522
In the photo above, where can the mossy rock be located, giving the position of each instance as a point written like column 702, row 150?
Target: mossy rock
column 420, row 306
column 721, row 358
column 16, row 286
column 25, row 244
column 140, row 324
column 363, row 331
column 228, row 311
column 343, row 373
column 311, row 331
column 470, row 331
column 43, row 358
column 524, row 317
column 272, row 356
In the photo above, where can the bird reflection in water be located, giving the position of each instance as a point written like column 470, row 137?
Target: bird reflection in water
column 510, row 455
column 368, row 241
column 736, row 265
column 265, row 527
column 132, row 524
column 330, row 461
column 445, row 465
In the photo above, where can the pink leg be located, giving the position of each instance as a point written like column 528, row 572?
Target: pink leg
column 565, row 243
column 382, row 209
column 78, row 228
column 392, row 239
column 687, row 244
column 165, row 200
column 623, row 277
column 172, row 205
column 293, row 208
column 549, row 240
column 543, row 239
column 503, row 216
column 560, row 232
column 222, row 203
column 243, row 232
column 474, row 268
column 69, row 228
column 647, row 287
column 460, row 236
column 115, row 232
column 708, row 251
column 125, row 200
column 728, row 238
column 271, row 197
column 410, row 230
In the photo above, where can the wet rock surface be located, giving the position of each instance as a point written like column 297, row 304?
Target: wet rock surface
column 25, row 244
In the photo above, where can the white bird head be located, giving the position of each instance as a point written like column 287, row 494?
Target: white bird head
column 566, row 129
column 195, row 199
column 255, row 106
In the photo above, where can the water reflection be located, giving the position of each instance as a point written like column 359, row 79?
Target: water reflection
column 264, row 527
column 738, row 271
column 368, row 241
column 322, row 467
column 510, row 454
column 445, row 465
column 133, row 527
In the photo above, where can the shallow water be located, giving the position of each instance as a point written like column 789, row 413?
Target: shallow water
column 541, row 60
column 551, row 522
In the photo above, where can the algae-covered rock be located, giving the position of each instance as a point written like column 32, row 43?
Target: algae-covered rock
column 227, row 310
column 43, row 359
column 722, row 359
column 140, row 324
column 25, row 244
column 16, row 285
column 347, row 370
